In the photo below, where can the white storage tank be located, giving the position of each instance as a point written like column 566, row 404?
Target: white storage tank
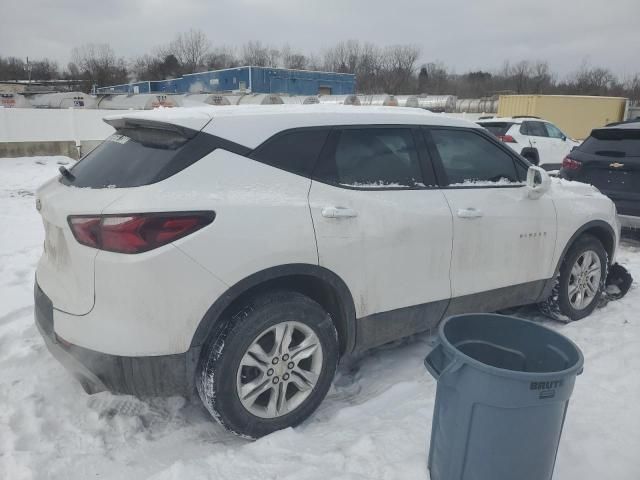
column 198, row 98
column 300, row 100
column 13, row 100
column 438, row 103
column 260, row 99
column 233, row 99
column 477, row 105
column 378, row 100
column 143, row 101
column 63, row 100
column 339, row 99
column 408, row 101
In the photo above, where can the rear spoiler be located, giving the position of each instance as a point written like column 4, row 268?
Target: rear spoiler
column 125, row 123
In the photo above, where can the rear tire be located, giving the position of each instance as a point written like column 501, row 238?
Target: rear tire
column 260, row 371
column 580, row 283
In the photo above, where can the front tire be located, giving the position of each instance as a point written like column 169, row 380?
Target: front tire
column 581, row 281
column 270, row 366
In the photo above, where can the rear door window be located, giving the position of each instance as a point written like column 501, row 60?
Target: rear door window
column 294, row 151
column 133, row 157
column 534, row 129
column 468, row 158
column 373, row 158
column 554, row 132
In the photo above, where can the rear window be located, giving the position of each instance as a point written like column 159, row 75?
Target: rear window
column 132, row 157
column 497, row 128
column 613, row 143
column 294, row 151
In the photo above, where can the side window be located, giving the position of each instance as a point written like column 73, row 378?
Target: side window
column 374, row 157
column 534, row 129
column 468, row 157
column 295, row 151
column 553, row 131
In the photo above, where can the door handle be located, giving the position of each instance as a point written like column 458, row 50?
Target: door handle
column 469, row 213
column 338, row 212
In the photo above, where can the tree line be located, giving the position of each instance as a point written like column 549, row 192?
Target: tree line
column 391, row 69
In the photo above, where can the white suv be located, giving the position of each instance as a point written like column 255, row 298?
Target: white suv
column 242, row 251
column 539, row 141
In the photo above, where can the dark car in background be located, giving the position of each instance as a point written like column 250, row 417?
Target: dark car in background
column 609, row 159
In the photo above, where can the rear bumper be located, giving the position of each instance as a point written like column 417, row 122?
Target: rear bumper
column 163, row 375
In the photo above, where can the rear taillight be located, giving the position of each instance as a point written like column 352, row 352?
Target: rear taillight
column 136, row 233
column 507, row 138
column 571, row 164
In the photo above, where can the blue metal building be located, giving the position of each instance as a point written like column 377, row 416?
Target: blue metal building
column 250, row 79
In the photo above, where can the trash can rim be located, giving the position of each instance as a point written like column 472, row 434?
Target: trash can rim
column 576, row 368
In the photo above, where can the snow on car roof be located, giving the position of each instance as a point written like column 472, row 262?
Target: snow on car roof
column 510, row 119
column 233, row 122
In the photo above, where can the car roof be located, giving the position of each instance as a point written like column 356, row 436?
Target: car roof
column 233, row 122
column 633, row 125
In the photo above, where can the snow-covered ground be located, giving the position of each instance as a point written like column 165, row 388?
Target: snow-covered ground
column 373, row 425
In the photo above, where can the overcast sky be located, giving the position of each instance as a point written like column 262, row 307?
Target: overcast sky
column 464, row 34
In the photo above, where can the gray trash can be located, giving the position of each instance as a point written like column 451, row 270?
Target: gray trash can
column 503, row 389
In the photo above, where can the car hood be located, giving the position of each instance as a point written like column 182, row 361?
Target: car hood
column 567, row 188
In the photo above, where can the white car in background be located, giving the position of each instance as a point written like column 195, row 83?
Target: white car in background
column 242, row 251
column 537, row 140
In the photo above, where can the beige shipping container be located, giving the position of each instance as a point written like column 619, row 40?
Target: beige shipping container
column 575, row 115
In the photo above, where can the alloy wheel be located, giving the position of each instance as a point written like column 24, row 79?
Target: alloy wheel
column 584, row 280
column 279, row 370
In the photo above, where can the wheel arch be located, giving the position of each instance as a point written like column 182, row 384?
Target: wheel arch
column 599, row 229
column 532, row 154
column 318, row 283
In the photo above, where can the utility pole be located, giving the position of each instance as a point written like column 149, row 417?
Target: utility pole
column 29, row 70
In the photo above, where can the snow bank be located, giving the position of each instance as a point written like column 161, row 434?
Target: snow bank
column 374, row 424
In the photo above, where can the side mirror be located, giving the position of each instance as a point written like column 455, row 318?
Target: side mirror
column 538, row 182
column 564, row 138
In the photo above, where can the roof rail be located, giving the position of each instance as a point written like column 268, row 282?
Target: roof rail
column 525, row 116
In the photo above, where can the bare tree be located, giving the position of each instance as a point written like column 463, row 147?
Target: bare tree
column 541, row 77
column 190, row 48
column 256, row 54
column 592, row 80
column 433, row 78
column 520, row 73
column 222, row 57
column 398, row 67
column 291, row 59
column 99, row 64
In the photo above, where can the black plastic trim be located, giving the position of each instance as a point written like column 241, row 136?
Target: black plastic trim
column 583, row 229
column 497, row 299
column 346, row 306
column 379, row 328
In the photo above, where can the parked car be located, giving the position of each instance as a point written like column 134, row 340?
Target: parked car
column 242, row 251
column 539, row 141
column 610, row 160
